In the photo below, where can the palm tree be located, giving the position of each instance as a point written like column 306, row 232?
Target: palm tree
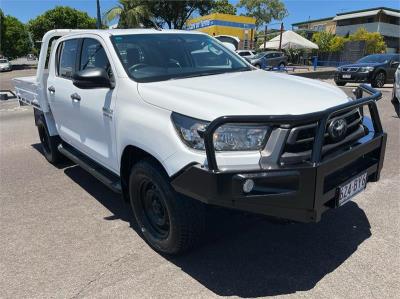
column 131, row 14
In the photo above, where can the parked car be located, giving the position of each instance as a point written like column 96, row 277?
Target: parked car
column 396, row 92
column 269, row 59
column 377, row 69
column 5, row 65
column 182, row 122
column 246, row 53
column 229, row 41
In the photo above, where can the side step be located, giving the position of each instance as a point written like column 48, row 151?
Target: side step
column 105, row 176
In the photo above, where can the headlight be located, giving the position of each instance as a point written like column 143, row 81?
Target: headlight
column 229, row 137
column 366, row 69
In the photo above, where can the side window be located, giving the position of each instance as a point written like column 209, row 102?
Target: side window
column 93, row 55
column 67, row 58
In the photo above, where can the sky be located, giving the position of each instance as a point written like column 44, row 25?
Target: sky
column 299, row 10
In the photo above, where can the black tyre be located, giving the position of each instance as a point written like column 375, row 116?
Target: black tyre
column 379, row 80
column 169, row 222
column 258, row 66
column 49, row 143
column 281, row 65
column 340, row 83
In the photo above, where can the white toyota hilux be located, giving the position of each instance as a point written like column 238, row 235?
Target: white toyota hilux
column 173, row 121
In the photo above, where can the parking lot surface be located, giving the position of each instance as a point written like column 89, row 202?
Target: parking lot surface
column 63, row 234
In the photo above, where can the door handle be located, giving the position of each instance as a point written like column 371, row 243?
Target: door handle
column 76, row 97
column 51, row 89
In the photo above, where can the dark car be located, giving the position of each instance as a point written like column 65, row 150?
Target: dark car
column 377, row 69
column 268, row 59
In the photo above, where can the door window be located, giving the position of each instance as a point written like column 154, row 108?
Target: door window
column 67, row 58
column 93, row 55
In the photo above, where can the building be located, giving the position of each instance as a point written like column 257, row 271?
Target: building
column 384, row 20
column 318, row 25
column 222, row 24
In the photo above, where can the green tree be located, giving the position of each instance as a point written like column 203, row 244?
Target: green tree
column 176, row 13
column 2, row 31
column 337, row 43
column 323, row 40
column 223, row 6
column 61, row 17
column 374, row 40
column 14, row 37
column 264, row 11
column 131, row 13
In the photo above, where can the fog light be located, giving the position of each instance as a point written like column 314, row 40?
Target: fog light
column 248, row 186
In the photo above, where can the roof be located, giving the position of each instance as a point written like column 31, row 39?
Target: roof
column 356, row 14
column 313, row 21
column 224, row 17
column 368, row 9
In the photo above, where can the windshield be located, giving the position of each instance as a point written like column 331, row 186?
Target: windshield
column 3, row 60
column 375, row 59
column 260, row 55
column 157, row 57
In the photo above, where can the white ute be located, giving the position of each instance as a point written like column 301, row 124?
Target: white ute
column 174, row 121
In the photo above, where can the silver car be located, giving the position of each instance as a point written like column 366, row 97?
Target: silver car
column 269, row 59
column 5, row 65
column 396, row 92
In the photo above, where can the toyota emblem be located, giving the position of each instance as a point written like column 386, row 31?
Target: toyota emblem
column 337, row 129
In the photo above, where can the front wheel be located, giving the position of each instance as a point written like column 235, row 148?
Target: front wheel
column 379, row 80
column 340, row 83
column 258, row 66
column 169, row 222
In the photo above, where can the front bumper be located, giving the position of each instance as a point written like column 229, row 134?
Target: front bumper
column 299, row 192
column 355, row 77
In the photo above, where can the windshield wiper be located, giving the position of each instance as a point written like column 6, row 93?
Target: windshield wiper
column 211, row 73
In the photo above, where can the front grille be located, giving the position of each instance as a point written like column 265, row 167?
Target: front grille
column 300, row 140
column 350, row 69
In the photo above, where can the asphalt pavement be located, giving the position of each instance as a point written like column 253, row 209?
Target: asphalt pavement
column 64, row 235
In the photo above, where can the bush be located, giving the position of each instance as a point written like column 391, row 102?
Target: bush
column 374, row 40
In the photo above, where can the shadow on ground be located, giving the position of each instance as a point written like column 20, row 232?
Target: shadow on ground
column 249, row 256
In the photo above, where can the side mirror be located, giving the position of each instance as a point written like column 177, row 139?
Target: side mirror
column 92, row 78
column 394, row 64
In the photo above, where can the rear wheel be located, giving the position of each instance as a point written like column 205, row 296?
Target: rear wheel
column 258, row 66
column 281, row 65
column 379, row 80
column 340, row 83
column 169, row 222
column 49, row 143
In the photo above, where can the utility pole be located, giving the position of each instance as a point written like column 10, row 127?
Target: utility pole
column 98, row 23
column 265, row 36
column 280, row 39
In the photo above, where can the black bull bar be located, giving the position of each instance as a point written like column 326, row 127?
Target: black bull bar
column 302, row 192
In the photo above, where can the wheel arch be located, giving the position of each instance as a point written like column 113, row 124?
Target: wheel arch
column 129, row 157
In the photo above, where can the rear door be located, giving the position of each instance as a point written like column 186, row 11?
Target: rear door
column 60, row 87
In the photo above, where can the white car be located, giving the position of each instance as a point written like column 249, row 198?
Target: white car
column 246, row 53
column 5, row 65
column 174, row 121
column 396, row 92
